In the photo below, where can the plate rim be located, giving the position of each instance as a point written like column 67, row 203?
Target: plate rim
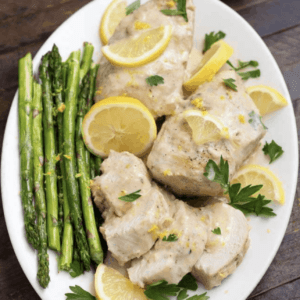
column 33, row 281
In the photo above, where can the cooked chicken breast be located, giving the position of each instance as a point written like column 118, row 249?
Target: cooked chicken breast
column 224, row 252
column 172, row 260
column 177, row 161
column 122, row 173
column 111, row 262
column 130, row 236
column 164, row 98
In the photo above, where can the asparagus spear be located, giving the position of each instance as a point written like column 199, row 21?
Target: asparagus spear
column 84, row 179
column 69, row 158
column 38, row 162
column 86, row 60
column 50, row 157
column 26, row 152
column 59, row 75
column 95, row 162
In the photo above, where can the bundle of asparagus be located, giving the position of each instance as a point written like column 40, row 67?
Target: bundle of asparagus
column 56, row 108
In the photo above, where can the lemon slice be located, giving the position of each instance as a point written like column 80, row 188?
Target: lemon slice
column 114, row 13
column 256, row 175
column 266, row 98
column 112, row 285
column 120, row 124
column 205, row 127
column 211, row 63
column 139, row 49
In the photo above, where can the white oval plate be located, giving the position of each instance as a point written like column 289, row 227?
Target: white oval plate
column 211, row 15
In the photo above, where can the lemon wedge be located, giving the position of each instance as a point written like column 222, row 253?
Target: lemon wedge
column 113, row 15
column 255, row 174
column 211, row 63
column 266, row 98
column 112, row 285
column 139, row 49
column 120, row 124
column 205, row 127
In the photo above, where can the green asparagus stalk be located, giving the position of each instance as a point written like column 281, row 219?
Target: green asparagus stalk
column 26, row 151
column 86, row 60
column 70, row 158
column 84, row 177
column 59, row 71
column 40, row 201
column 95, row 162
column 50, row 157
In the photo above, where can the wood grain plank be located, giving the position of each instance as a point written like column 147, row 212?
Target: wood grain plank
column 34, row 23
column 238, row 5
column 289, row 291
column 272, row 16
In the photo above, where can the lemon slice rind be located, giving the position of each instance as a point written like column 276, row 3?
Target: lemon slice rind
column 196, row 120
column 211, row 63
column 116, row 129
column 266, row 98
column 111, row 285
column 272, row 184
column 112, row 16
column 143, row 59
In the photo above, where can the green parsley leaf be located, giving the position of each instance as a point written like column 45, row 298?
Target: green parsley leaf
column 155, row 80
column 239, row 198
column 132, row 7
column 170, row 238
column 180, row 11
column 189, row 282
column 243, row 65
column 212, row 38
column 238, row 195
column 199, row 297
column 273, row 150
column 79, row 294
column 219, row 174
column 250, row 74
column 131, row 197
column 217, row 231
column 159, row 290
column 182, row 294
column 255, row 119
column 230, row 83
column 76, row 269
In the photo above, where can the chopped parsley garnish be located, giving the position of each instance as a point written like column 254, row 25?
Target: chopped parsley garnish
column 180, row 11
column 76, row 268
column 130, row 197
column 161, row 290
column 155, row 80
column 171, row 238
column 230, row 83
column 132, row 7
column 212, row 38
column 188, row 282
column 243, row 64
column 79, row 294
column 241, row 199
column 217, row 231
column 255, row 119
column 273, row 150
column 250, row 74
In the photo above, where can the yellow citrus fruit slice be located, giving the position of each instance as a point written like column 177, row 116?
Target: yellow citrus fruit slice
column 266, row 98
column 120, row 124
column 205, row 127
column 255, row 175
column 139, row 49
column 113, row 15
column 211, row 63
column 112, row 285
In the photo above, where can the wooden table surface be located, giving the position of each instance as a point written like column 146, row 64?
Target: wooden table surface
column 26, row 25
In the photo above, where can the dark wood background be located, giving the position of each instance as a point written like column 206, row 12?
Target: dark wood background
column 24, row 27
